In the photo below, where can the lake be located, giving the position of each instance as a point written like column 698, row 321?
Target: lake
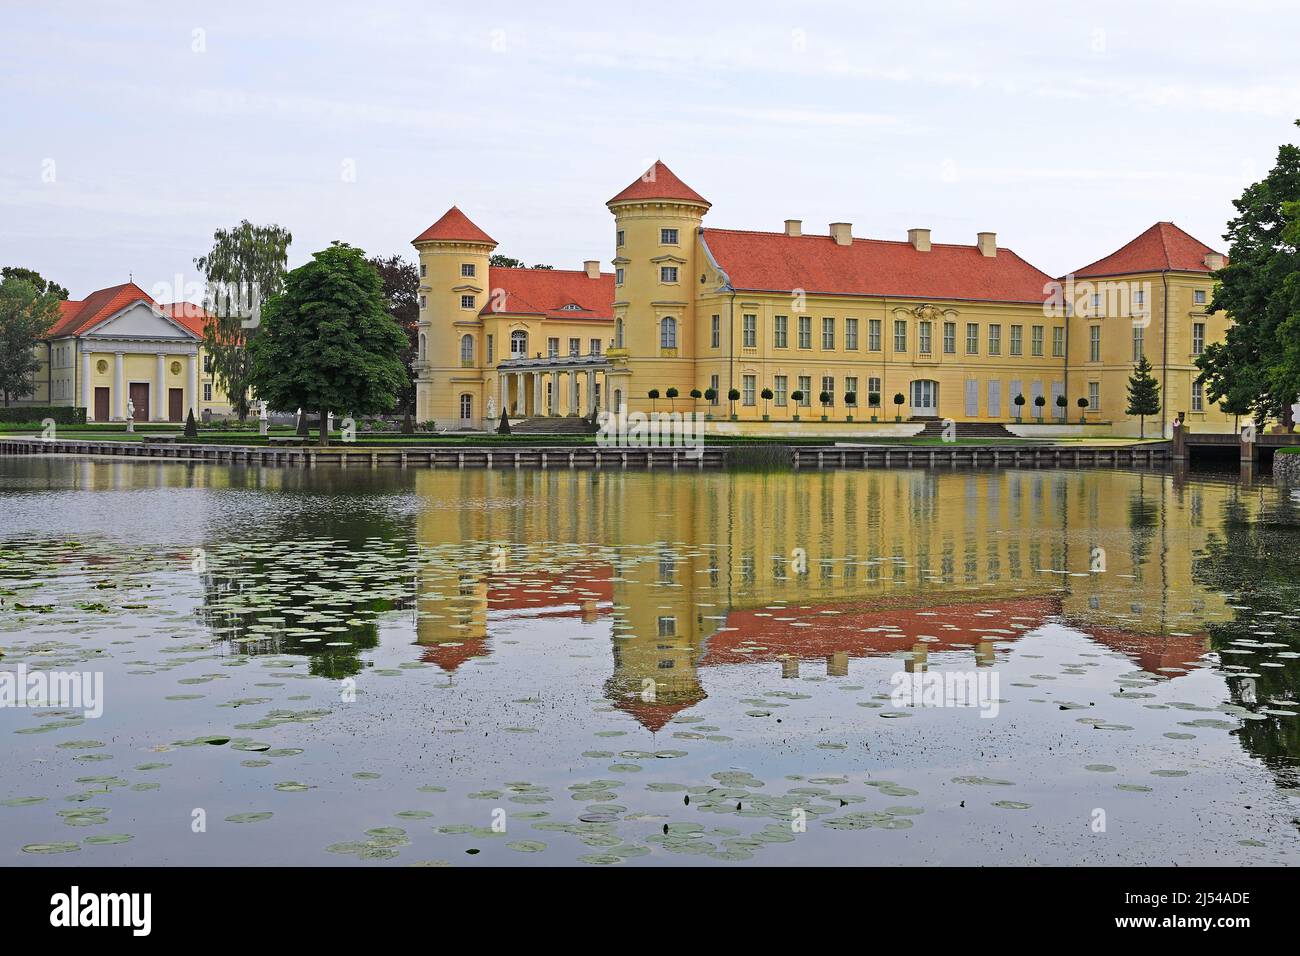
column 357, row 667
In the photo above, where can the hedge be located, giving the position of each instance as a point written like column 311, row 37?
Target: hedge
column 35, row 414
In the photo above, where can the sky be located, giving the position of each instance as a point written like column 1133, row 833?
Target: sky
column 131, row 131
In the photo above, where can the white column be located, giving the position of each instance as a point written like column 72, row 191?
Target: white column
column 160, row 389
column 537, row 394
column 573, row 392
column 555, row 393
column 591, row 392
column 521, row 395
column 119, row 391
column 192, row 400
column 87, row 392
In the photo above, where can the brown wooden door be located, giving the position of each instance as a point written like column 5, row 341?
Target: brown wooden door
column 140, row 396
column 175, row 404
column 101, row 404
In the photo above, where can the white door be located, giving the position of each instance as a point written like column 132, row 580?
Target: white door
column 925, row 397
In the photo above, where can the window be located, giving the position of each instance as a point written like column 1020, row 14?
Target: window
column 424, row 270
column 828, row 334
column 467, row 302
column 1036, row 340
column 668, row 237
column 717, row 392
column 595, row 347
column 1139, row 300
column 667, row 273
column 873, row 335
column 1094, row 343
column 1198, row 338
column 467, row 351
column 207, row 364
column 552, row 347
column 924, row 336
column 749, row 331
column 851, row 386
column 618, row 237
column 466, row 406
column 873, row 388
column 780, row 331
column 972, row 338
column 1017, row 340
column 519, row 344
column 207, row 391
column 805, row 332
column 805, row 386
column 1094, row 396
column 715, row 331
column 668, row 333
column 949, row 338
column 1096, row 303
column 1198, row 397
column 575, row 346
column 828, row 386
column 779, row 390
column 1139, row 343
column 747, row 390
column 618, row 276
column 1058, row 342
column 900, row 335
column 851, row 334
column 467, row 270
column 995, row 339
column 491, row 350
column 1198, row 296
column 618, row 332
column 424, row 303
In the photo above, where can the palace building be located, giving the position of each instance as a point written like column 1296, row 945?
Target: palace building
column 956, row 331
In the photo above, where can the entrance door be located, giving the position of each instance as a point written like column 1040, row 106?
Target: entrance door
column 925, row 397
column 140, row 396
column 176, row 405
column 102, row 413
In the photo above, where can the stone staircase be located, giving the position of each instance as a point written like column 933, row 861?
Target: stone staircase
column 934, row 429
column 548, row 425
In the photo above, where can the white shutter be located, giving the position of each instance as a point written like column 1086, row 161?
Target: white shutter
column 995, row 398
column 972, row 398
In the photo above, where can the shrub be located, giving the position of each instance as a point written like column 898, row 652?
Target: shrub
column 35, row 414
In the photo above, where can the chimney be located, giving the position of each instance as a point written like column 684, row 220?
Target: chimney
column 1213, row 261
column 842, row 233
column 794, row 227
column 593, row 268
column 987, row 243
column 920, row 239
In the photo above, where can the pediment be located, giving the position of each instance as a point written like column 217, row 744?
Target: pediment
column 139, row 320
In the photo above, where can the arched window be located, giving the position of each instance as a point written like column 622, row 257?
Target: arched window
column 618, row 333
column 467, row 350
column 422, row 354
column 466, row 406
column 668, row 333
column 519, row 344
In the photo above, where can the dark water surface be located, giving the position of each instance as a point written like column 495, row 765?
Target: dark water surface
column 337, row 667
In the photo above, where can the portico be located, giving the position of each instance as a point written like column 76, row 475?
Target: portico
column 560, row 385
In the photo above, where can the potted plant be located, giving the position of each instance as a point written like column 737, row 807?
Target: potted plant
column 850, row 401
column 767, row 397
column 710, row 396
column 653, row 395
column 1039, row 402
column 733, row 396
column 1061, row 403
column 672, row 394
column 695, row 394
column 1083, row 410
column 1020, row 404
column 825, row 399
column 796, row 396
column 899, row 399
column 873, row 399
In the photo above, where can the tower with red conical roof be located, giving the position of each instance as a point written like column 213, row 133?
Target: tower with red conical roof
column 450, row 353
column 657, row 251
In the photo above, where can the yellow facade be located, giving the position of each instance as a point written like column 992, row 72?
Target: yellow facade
column 959, row 358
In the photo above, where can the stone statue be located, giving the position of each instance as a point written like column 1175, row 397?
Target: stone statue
column 491, row 407
column 130, row 415
column 263, row 420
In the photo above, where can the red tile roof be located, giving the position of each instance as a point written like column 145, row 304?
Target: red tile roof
column 454, row 226
column 76, row 317
column 658, row 182
column 192, row 316
column 1162, row 248
column 546, row 292
column 775, row 262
